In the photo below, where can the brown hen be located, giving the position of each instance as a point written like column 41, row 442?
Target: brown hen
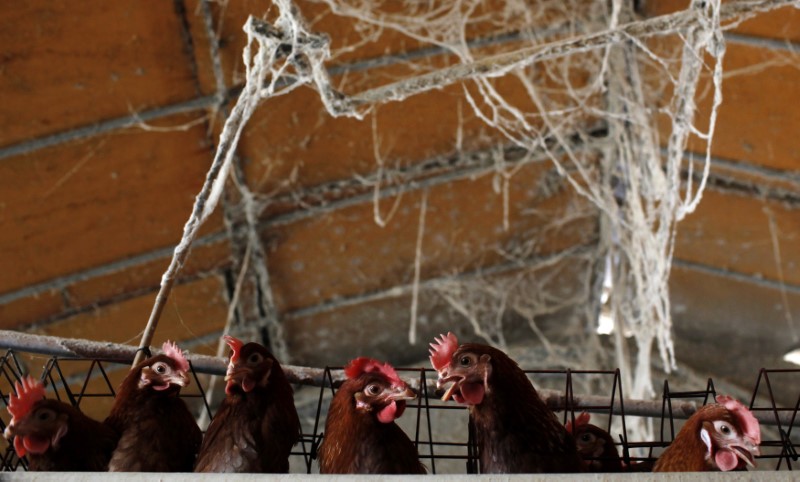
column 361, row 436
column 257, row 423
column 595, row 445
column 157, row 431
column 55, row 436
column 515, row 431
column 719, row 436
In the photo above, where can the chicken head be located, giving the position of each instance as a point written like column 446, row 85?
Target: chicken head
column 165, row 371
column 378, row 389
column 464, row 369
column 731, row 437
column 249, row 367
column 35, row 424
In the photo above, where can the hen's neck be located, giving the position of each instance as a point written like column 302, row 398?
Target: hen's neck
column 353, row 436
column 348, row 422
column 687, row 453
column 509, row 405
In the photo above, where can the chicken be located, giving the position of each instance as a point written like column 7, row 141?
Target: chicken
column 257, row 424
column 595, row 445
column 719, row 436
column 54, row 435
column 157, row 431
column 514, row 429
column 361, row 436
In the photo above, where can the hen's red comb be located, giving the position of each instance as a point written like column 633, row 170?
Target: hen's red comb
column 369, row 365
column 442, row 351
column 746, row 419
column 235, row 344
column 171, row 350
column 29, row 391
column 580, row 421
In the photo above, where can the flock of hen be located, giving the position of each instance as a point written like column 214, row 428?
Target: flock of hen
column 151, row 429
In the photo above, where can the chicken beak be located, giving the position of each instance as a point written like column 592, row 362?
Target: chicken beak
column 747, row 451
column 454, row 381
column 235, row 373
column 232, row 377
column 402, row 394
column 180, row 378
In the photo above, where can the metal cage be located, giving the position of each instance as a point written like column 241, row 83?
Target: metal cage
column 73, row 380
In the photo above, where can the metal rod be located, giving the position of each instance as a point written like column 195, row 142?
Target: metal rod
column 555, row 399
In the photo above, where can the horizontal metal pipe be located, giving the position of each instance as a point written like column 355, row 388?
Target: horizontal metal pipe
column 555, row 399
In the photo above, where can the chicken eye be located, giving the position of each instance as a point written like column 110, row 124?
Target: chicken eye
column 725, row 429
column 45, row 415
column 465, row 361
column 373, row 390
column 255, row 358
column 587, row 437
column 160, row 368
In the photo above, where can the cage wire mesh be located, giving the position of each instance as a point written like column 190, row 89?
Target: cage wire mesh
column 428, row 421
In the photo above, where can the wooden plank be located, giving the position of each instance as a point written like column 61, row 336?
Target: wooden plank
column 732, row 231
column 345, row 252
column 747, row 177
column 782, row 23
column 291, row 142
column 28, row 310
column 108, row 288
column 756, row 121
column 71, row 207
column 325, row 149
column 379, row 328
column 203, row 261
column 68, row 64
column 741, row 326
column 348, row 44
column 195, row 309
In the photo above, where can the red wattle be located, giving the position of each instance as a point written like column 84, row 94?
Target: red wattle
column 248, row 384
column 36, row 445
column 388, row 413
column 726, row 460
column 228, row 386
column 472, row 393
column 19, row 447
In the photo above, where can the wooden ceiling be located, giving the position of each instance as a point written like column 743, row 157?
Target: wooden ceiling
column 108, row 123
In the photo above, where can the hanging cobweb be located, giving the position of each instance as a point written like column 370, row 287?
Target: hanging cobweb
column 608, row 98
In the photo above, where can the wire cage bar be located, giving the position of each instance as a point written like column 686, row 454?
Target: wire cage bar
column 10, row 372
column 775, row 398
column 772, row 387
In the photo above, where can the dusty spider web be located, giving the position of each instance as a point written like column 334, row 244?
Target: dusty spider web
column 610, row 100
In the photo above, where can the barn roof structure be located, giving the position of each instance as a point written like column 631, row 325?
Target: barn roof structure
column 339, row 237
